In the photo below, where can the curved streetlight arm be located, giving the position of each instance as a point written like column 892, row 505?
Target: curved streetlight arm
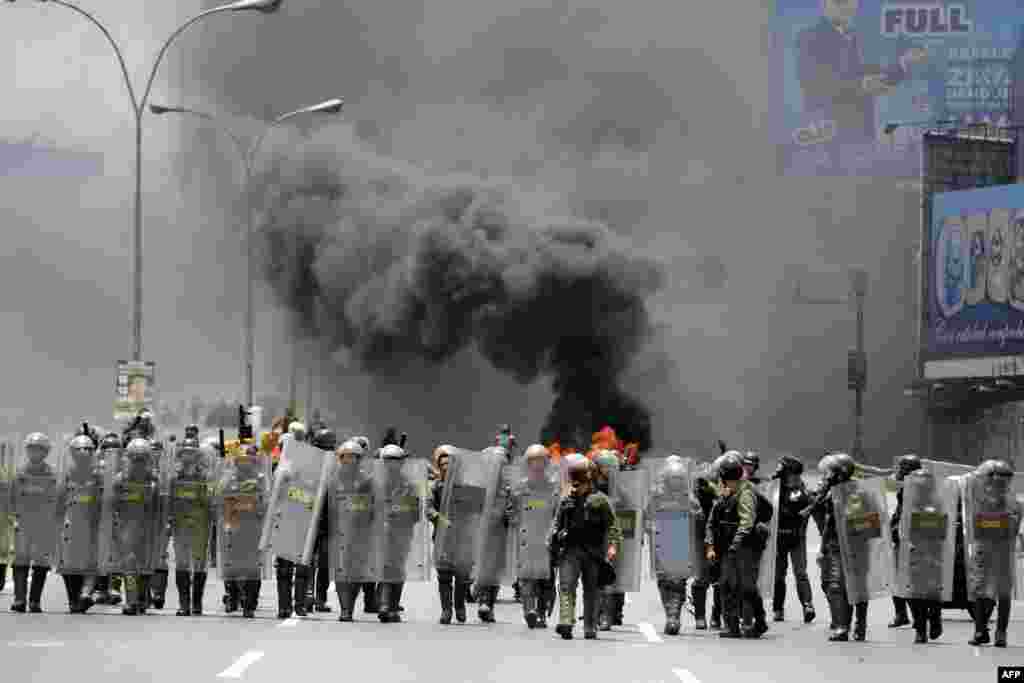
column 216, row 121
column 110, row 39
column 329, row 107
column 167, row 44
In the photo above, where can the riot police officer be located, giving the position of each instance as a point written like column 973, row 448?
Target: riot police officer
column 326, row 440
column 35, row 530
column 730, row 535
column 451, row 585
column 992, row 517
column 706, row 495
column 905, row 465
column 792, row 543
column 584, row 524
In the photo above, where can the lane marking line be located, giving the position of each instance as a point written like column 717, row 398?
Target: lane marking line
column 36, row 644
column 244, row 662
column 685, row 676
column 288, row 623
column 650, row 633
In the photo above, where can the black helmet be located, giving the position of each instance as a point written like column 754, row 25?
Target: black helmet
column 843, row 467
column 325, row 439
column 730, row 467
column 906, row 464
column 789, row 465
column 752, row 459
column 111, row 440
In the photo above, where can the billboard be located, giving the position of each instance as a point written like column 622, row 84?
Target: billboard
column 850, row 67
column 136, row 384
column 30, row 158
column 975, row 284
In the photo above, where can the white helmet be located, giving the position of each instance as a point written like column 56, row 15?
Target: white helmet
column 352, row 447
column 37, row 440
column 391, row 452
column 537, row 451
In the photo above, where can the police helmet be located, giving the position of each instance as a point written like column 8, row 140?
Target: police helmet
column 37, row 440
column 392, row 452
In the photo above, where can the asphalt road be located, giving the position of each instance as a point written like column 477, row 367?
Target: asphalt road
column 105, row 646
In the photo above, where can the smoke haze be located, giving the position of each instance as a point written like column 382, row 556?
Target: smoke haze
column 643, row 118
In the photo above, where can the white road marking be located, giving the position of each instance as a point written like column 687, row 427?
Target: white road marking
column 244, row 662
column 36, row 644
column 649, row 633
column 685, row 676
column 288, row 623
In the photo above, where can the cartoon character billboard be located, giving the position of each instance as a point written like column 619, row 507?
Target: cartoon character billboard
column 975, row 282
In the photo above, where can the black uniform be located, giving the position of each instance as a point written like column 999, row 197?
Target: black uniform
column 739, row 546
column 451, row 586
column 709, row 576
column 833, row 579
column 792, row 548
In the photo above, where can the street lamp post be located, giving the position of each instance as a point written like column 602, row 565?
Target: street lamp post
column 248, row 154
column 858, row 358
column 139, row 107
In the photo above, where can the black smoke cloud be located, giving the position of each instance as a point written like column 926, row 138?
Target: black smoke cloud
column 392, row 269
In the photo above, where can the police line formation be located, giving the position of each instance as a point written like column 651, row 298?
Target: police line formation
column 106, row 509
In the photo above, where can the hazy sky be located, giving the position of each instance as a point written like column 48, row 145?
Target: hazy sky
column 653, row 112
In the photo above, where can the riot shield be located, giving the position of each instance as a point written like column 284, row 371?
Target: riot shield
column 34, row 507
column 534, row 505
column 163, row 463
column 129, row 508
column 300, row 485
column 991, row 520
column 6, row 482
column 766, row 570
column 81, row 505
column 191, row 487
column 242, row 501
column 862, row 523
column 672, row 524
column 494, row 556
column 399, row 493
column 462, row 504
column 350, row 526
column 629, row 489
column 924, row 566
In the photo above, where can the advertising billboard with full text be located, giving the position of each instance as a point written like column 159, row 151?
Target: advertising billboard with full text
column 848, row 68
column 975, row 284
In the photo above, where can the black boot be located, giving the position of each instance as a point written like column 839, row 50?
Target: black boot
column 590, row 615
column 3, row 576
column 487, row 597
column 1002, row 622
column 251, row 598
column 517, row 592
column 85, row 602
column 444, row 589
column 860, row 628
column 935, row 621
column 371, row 605
column 233, row 596
column 920, row 622
column 20, row 589
column 347, row 593
column 620, row 606
column 35, row 590
column 301, row 583
column 900, row 618
column 732, row 628
column 542, row 599
column 460, row 601
column 323, row 583
column 716, row 608
column 69, row 588
column 284, row 591
column 384, row 596
column 183, row 582
column 982, row 613
column 840, row 610
column 699, row 595
column 395, row 606
column 198, row 588
column 606, row 610
column 158, row 589
column 101, row 590
column 673, row 610
column 145, row 582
